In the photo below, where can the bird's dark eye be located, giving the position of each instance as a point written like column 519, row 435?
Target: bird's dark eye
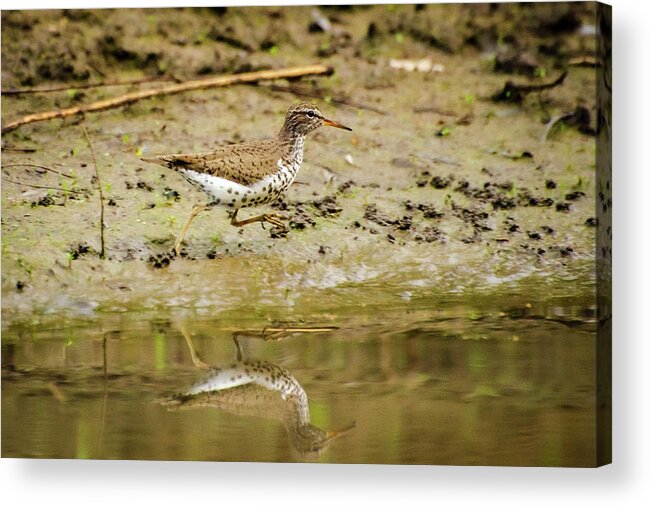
column 310, row 114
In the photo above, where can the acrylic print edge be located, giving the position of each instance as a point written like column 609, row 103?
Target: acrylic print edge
column 603, row 201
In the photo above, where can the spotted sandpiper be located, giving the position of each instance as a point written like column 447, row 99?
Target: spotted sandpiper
column 250, row 173
column 258, row 388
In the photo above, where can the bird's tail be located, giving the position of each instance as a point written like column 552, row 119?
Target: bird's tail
column 154, row 160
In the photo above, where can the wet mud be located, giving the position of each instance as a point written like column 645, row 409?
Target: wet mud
column 439, row 192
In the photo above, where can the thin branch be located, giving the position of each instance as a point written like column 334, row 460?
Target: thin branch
column 102, row 250
column 102, row 420
column 106, row 84
column 513, row 92
column 583, row 61
column 39, row 167
column 20, row 150
column 9, row 180
column 320, row 94
column 197, row 84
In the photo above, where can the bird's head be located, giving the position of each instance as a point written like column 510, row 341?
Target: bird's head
column 304, row 117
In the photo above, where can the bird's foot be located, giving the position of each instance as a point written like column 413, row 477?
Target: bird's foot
column 274, row 219
column 177, row 248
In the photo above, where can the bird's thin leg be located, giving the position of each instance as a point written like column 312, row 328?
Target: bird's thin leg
column 267, row 217
column 236, row 336
column 193, row 352
column 195, row 211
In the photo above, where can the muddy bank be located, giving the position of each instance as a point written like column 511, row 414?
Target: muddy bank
column 440, row 191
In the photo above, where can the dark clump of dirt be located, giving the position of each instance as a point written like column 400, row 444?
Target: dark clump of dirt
column 563, row 207
column 278, row 232
column 345, row 188
column 473, row 217
column 212, row 254
column 404, row 223
column 301, row 218
column 566, row 251
column 428, row 210
column 79, row 249
column 503, row 203
column 327, row 206
column 440, row 182
column 489, row 191
column 591, row 222
column 44, row 201
column 418, row 233
column 539, row 252
column 550, row 184
column 525, row 198
column 143, row 185
column 495, row 193
column 429, row 234
column 563, row 251
column 573, row 196
column 510, row 226
column 372, row 214
column 161, row 260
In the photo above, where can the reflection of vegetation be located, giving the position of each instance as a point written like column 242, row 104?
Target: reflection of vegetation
column 261, row 389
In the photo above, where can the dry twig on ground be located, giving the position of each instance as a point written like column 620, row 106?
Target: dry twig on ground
column 513, row 92
column 322, row 94
column 102, row 250
column 37, row 166
column 104, row 84
column 197, row 84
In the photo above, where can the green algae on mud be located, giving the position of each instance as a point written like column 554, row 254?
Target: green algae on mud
column 445, row 196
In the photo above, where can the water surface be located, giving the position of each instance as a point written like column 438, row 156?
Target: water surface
column 452, row 385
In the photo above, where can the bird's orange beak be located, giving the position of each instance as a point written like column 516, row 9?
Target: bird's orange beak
column 331, row 123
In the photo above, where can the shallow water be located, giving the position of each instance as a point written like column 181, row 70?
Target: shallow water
column 453, row 384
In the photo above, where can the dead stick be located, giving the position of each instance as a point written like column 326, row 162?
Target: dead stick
column 20, row 150
column 320, row 94
column 197, row 84
column 38, row 167
column 101, row 196
column 537, row 88
column 515, row 92
column 22, row 91
column 9, row 180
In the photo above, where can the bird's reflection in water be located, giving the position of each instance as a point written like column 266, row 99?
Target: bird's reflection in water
column 262, row 389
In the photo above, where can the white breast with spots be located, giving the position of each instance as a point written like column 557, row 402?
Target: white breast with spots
column 261, row 373
column 272, row 187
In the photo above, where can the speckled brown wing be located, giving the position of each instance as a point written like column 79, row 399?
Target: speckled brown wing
column 243, row 163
